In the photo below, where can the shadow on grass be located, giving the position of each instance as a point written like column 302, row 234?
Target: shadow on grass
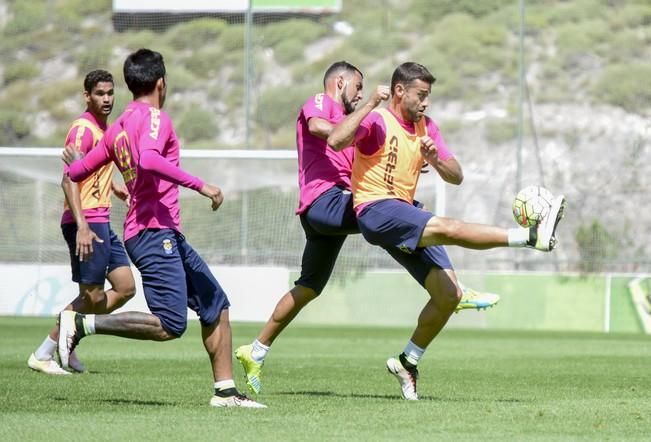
column 115, row 401
column 392, row 397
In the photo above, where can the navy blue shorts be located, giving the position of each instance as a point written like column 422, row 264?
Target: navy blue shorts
column 106, row 256
column 326, row 224
column 397, row 226
column 174, row 277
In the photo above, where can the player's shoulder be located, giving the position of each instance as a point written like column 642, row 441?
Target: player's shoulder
column 320, row 102
column 431, row 125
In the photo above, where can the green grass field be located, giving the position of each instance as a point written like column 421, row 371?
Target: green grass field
column 330, row 384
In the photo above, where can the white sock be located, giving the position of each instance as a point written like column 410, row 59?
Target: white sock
column 413, row 352
column 224, row 384
column 518, row 237
column 259, row 351
column 46, row 350
column 90, row 324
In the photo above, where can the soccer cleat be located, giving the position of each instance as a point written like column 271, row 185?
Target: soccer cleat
column 75, row 363
column 473, row 299
column 252, row 368
column 49, row 366
column 406, row 377
column 70, row 332
column 542, row 236
column 235, row 400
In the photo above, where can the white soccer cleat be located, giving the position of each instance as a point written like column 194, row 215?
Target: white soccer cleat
column 49, row 366
column 236, row 400
column 542, row 236
column 68, row 336
column 406, row 378
column 75, row 364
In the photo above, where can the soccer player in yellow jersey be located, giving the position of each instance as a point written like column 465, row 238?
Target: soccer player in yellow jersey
column 96, row 253
column 390, row 147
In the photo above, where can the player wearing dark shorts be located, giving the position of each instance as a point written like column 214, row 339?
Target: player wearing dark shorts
column 390, row 147
column 144, row 146
column 325, row 206
column 96, row 254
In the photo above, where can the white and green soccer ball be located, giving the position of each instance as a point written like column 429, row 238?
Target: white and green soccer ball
column 531, row 205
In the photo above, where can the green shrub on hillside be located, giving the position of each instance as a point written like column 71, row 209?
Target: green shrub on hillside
column 96, row 56
column 27, row 17
column 278, row 107
column 204, row 62
column 625, row 85
column 289, row 51
column 232, row 39
column 630, row 16
column 431, row 11
column 197, row 124
column 302, row 30
column 190, row 34
column 13, row 127
column 20, row 71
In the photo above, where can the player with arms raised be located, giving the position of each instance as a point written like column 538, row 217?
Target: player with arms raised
column 390, row 147
column 96, row 253
column 143, row 144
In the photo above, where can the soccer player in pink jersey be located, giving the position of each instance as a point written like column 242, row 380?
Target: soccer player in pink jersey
column 325, row 206
column 325, row 210
column 96, row 253
column 390, row 147
column 143, row 144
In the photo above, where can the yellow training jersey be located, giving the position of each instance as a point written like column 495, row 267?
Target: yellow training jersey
column 94, row 191
column 393, row 170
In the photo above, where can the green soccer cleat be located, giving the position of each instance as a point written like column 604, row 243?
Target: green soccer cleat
column 473, row 299
column 252, row 368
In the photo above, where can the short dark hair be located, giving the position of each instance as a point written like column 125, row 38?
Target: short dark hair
column 408, row 72
column 96, row 76
column 142, row 69
column 340, row 66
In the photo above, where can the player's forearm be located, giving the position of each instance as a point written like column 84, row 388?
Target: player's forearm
column 449, row 170
column 343, row 134
column 84, row 167
column 71, row 192
column 152, row 161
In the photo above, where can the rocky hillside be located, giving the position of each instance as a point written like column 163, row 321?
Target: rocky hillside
column 586, row 105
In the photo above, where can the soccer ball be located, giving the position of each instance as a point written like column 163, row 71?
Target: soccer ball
column 531, row 205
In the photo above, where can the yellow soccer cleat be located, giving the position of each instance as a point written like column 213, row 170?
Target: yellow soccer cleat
column 473, row 299
column 252, row 368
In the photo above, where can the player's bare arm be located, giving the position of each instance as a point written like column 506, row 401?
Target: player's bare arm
column 213, row 193
column 85, row 236
column 449, row 170
column 343, row 133
column 319, row 127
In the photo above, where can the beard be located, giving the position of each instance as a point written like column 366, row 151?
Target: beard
column 349, row 108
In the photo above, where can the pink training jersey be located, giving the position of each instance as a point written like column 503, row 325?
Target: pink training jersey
column 371, row 136
column 143, row 144
column 319, row 166
column 81, row 136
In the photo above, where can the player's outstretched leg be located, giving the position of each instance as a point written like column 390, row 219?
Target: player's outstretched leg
column 542, row 237
column 252, row 368
column 406, row 374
